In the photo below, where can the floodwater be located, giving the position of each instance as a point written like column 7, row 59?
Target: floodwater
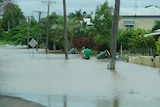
column 52, row 81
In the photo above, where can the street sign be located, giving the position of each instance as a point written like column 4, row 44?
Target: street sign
column 33, row 42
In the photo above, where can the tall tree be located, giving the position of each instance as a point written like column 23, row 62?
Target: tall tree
column 78, row 15
column 12, row 16
column 3, row 3
column 56, row 32
column 103, row 24
column 19, row 33
column 77, row 24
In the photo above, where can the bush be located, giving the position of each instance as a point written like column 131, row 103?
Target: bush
column 83, row 42
column 94, row 52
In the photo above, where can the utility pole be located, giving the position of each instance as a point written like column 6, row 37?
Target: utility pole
column 47, row 28
column 28, row 32
column 114, row 35
column 65, row 30
column 38, row 31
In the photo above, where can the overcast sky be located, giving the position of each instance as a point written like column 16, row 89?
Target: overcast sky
column 128, row 7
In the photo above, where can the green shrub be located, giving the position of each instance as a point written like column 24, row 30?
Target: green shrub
column 6, row 42
column 94, row 52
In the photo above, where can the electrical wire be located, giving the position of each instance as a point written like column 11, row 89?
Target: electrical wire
column 92, row 2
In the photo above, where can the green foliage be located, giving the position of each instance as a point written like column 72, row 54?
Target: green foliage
column 100, row 40
column 76, row 25
column 101, row 31
column 77, row 28
column 134, row 40
column 56, row 31
column 157, row 26
column 158, row 46
column 3, row 42
column 103, row 24
column 18, row 34
column 5, row 36
column 1, row 31
column 12, row 16
column 78, row 15
column 94, row 52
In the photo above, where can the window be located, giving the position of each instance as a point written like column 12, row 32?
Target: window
column 129, row 24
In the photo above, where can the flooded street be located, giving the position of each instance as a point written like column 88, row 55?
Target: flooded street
column 52, row 81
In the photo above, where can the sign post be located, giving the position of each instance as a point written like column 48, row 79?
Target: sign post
column 33, row 43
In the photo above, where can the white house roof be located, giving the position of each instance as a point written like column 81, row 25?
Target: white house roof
column 152, row 11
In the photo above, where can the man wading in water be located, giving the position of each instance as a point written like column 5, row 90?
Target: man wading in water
column 87, row 53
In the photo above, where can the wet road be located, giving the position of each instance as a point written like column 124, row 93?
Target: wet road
column 54, row 82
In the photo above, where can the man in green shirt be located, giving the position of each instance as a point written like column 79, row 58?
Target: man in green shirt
column 87, row 53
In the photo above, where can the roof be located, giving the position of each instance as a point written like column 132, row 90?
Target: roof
column 140, row 11
column 148, row 16
column 156, row 32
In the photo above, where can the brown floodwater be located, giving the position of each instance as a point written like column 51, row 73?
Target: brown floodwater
column 52, row 81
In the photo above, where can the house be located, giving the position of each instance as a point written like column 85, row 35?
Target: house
column 139, row 17
column 87, row 21
column 138, row 21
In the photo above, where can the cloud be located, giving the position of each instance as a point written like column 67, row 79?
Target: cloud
column 128, row 7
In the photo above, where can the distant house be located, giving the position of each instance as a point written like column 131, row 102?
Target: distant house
column 87, row 21
column 138, row 21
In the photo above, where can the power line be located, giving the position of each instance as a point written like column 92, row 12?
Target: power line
column 91, row 2
column 97, row 2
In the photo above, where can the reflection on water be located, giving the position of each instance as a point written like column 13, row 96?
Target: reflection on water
column 69, row 101
column 65, row 100
column 116, row 102
column 55, row 82
column 116, row 78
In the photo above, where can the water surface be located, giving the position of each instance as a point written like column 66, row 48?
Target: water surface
column 55, row 82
